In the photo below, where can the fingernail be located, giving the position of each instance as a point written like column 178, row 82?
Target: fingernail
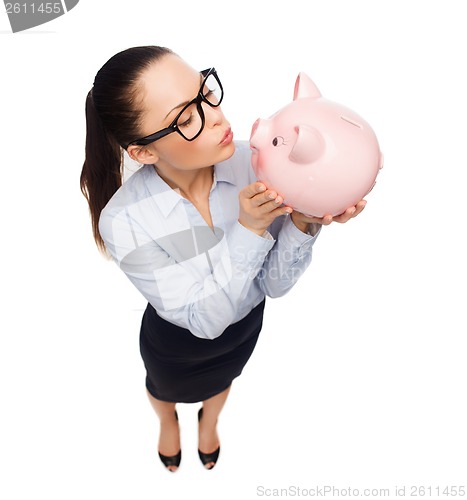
column 262, row 187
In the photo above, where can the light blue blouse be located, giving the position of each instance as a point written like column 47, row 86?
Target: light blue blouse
column 199, row 278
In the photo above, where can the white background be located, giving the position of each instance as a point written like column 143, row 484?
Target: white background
column 359, row 377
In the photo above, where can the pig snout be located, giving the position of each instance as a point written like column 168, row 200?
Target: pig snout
column 259, row 133
column 253, row 129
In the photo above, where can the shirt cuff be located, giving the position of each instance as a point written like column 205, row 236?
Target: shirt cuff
column 247, row 247
column 292, row 236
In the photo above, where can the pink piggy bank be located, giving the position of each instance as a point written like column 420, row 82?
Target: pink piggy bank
column 321, row 157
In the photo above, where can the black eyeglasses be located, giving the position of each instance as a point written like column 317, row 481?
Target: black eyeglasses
column 189, row 123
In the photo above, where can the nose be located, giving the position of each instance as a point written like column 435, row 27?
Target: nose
column 212, row 116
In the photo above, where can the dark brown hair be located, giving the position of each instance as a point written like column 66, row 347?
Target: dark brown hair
column 113, row 116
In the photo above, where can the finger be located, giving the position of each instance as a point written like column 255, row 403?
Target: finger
column 275, row 203
column 345, row 216
column 310, row 219
column 351, row 212
column 327, row 219
column 359, row 207
column 267, row 197
column 253, row 189
column 274, row 208
column 278, row 211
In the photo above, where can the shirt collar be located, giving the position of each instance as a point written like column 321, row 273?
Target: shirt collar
column 167, row 198
column 164, row 196
column 223, row 173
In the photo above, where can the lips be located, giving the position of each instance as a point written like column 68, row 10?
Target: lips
column 227, row 137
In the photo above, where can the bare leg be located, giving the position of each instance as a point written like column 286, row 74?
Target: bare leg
column 169, row 438
column 208, row 438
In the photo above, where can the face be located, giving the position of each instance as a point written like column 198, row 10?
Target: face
column 167, row 86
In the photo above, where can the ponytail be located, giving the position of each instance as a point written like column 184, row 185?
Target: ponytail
column 113, row 113
column 102, row 170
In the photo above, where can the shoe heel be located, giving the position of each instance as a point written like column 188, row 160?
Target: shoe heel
column 173, row 460
column 207, row 458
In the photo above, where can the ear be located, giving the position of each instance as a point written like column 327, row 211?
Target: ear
column 142, row 154
column 304, row 87
column 308, row 147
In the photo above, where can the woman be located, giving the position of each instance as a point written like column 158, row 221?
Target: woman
column 202, row 240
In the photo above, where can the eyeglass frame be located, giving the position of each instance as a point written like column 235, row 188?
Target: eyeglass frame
column 173, row 127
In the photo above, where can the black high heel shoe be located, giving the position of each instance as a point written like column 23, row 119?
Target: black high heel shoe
column 173, row 460
column 207, row 458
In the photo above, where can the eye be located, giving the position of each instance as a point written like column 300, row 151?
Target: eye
column 186, row 121
column 187, row 117
column 278, row 141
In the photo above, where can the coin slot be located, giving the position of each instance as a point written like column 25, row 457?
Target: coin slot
column 351, row 121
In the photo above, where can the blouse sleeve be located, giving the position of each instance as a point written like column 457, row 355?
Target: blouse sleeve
column 288, row 259
column 200, row 292
column 291, row 252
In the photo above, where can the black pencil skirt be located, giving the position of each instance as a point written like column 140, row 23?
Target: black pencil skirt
column 184, row 368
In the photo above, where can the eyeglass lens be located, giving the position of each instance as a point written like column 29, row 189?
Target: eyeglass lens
column 190, row 122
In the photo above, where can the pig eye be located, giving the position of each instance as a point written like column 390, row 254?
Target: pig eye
column 278, row 141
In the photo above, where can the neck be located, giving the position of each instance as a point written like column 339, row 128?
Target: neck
column 193, row 184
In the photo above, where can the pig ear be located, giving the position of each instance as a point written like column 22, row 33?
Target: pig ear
column 304, row 87
column 309, row 145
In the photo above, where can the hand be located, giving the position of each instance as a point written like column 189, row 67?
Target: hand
column 303, row 221
column 259, row 207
